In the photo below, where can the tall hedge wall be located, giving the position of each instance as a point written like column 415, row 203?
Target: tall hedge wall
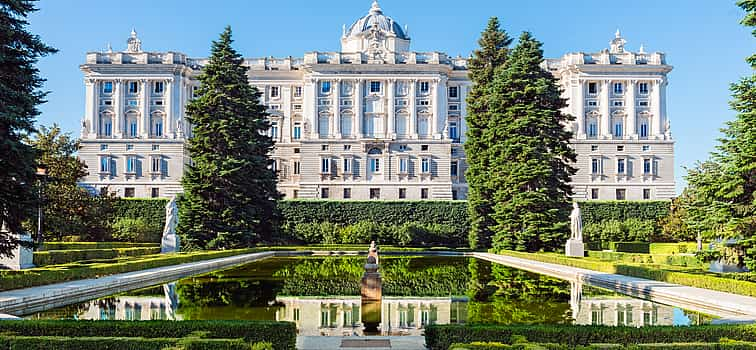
column 152, row 210
column 595, row 212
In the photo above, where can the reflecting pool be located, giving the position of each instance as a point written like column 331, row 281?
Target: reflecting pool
column 322, row 296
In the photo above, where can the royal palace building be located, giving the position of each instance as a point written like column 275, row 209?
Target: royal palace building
column 372, row 121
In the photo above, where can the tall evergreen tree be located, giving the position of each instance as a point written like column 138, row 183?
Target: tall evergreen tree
column 229, row 189
column 19, row 97
column 494, row 47
column 530, row 158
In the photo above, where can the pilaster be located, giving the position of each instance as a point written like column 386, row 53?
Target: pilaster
column 391, row 110
column 144, row 108
column 335, row 122
column 358, row 110
column 630, row 115
column 656, row 122
column 413, row 109
column 118, row 123
column 606, row 129
column 579, row 108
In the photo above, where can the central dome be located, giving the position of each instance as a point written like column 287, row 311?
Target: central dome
column 376, row 18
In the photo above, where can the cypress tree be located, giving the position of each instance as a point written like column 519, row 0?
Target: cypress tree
column 229, row 189
column 494, row 47
column 19, row 97
column 530, row 158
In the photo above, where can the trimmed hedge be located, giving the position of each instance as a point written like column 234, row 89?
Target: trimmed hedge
column 630, row 247
column 652, row 272
column 110, row 343
column 595, row 212
column 281, row 334
column 662, row 259
column 94, row 245
column 56, row 257
column 68, row 272
column 441, row 337
column 672, row 346
column 673, row 248
column 363, row 232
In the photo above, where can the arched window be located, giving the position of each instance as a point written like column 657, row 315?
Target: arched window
column 374, row 156
column 106, row 125
column 375, row 151
column 157, row 125
column 323, row 126
column 346, row 125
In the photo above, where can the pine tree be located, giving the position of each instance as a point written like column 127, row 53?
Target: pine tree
column 737, row 154
column 19, row 97
column 494, row 47
column 530, row 161
column 229, row 189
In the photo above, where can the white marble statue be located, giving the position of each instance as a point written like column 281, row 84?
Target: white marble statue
column 574, row 246
column 576, row 217
column 170, row 242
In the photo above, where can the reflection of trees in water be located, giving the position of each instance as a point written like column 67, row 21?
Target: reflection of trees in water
column 499, row 294
column 696, row 318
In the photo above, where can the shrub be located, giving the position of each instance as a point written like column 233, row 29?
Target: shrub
column 136, row 230
column 630, row 247
column 93, row 245
column 673, row 248
column 282, row 335
column 55, row 257
column 598, row 211
column 438, row 337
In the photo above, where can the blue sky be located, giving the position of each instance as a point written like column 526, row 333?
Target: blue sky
column 702, row 40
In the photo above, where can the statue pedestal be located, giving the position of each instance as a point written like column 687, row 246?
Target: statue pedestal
column 23, row 258
column 574, row 248
column 169, row 243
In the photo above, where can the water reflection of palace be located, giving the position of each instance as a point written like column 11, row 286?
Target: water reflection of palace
column 339, row 316
column 617, row 310
column 133, row 308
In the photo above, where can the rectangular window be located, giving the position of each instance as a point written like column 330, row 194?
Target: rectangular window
column 131, row 165
column 297, row 107
column 324, row 193
column 592, row 88
column 158, row 87
column 133, row 103
column 643, row 88
column 644, row 129
column 424, row 148
column 425, row 166
column 107, row 87
column 155, row 192
column 453, row 92
column 347, row 148
column 645, row 148
column 592, row 103
column 595, row 166
column 618, row 103
column 325, row 165
column 347, row 193
column 375, row 193
column 424, row 87
column 156, row 164
column 592, row 130
column 375, row 87
column 620, row 194
column 643, row 103
column 618, row 129
column 620, row 166
column 423, row 193
column 129, row 147
column 375, row 165
column 103, row 147
column 274, row 130
column 454, row 168
column 594, row 193
column 454, row 107
column 297, row 134
column 155, row 147
column 594, row 148
column 195, row 91
column 402, row 148
column 620, row 148
column 133, row 87
column 402, row 193
column 646, row 193
column 453, row 131
column 128, row 192
column 403, row 165
column 297, row 91
column 274, row 92
column 133, row 128
column 618, row 88
column 325, row 87
column 347, row 165
column 297, row 169
column 104, row 164
column 423, row 103
column 647, row 166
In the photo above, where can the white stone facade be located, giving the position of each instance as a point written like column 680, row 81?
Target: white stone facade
column 373, row 121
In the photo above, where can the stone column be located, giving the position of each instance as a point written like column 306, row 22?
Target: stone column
column 334, row 123
column 285, row 127
column 656, row 104
column 169, row 108
column 630, row 116
column 412, row 109
column 92, row 107
column 310, row 108
column 606, row 129
column 118, row 122
column 391, row 111
column 579, row 108
column 443, row 107
column 463, row 113
column 144, row 120
column 358, row 110
column 435, row 100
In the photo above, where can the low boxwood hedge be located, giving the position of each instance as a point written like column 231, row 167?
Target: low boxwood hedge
column 441, row 337
column 93, row 245
column 673, row 346
column 282, row 335
column 75, row 271
column 630, row 247
column 106, row 343
column 56, row 257
column 673, row 248
column 663, row 259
